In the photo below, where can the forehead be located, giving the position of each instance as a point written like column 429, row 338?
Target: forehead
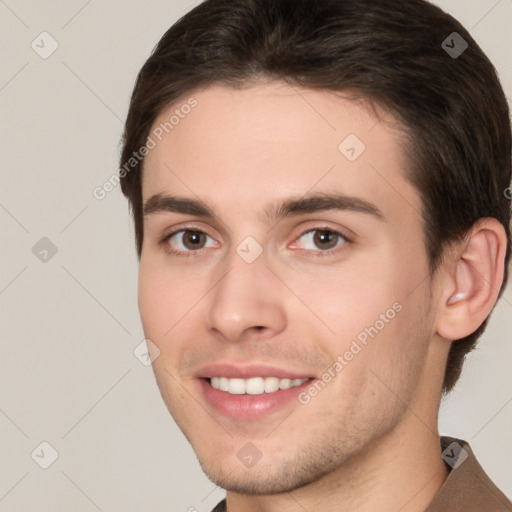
column 273, row 140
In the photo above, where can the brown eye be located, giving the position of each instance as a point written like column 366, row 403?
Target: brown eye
column 189, row 240
column 325, row 239
column 322, row 240
column 193, row 239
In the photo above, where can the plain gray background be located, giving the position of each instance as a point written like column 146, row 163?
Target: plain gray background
column 69, row 323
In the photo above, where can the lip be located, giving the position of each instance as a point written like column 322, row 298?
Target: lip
column 246, row 372
column 250, row 407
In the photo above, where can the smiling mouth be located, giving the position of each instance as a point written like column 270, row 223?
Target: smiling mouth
column 253, row 385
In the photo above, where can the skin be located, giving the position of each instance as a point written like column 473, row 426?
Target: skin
column 368, row 441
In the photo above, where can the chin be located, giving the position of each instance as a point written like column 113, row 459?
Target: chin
column 251, row 482
column 266, row 476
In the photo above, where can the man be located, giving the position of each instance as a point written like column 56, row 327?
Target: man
column 319, row 190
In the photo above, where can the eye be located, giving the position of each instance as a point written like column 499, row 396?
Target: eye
column 187, row 240
column 323, row 240
column 190, row 242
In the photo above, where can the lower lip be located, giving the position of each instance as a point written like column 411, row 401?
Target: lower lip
column 249, row 407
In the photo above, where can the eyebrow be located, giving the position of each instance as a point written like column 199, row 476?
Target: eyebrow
column 160, row 203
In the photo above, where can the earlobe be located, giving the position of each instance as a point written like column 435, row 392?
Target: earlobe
column 473, row 281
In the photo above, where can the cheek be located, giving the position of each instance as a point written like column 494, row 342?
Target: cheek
column 371, row 322
column 341, row 301
column 164, row 297
column 369, row 377
column 153, row 300
column 162, row 304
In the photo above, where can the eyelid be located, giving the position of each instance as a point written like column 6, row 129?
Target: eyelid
column 337, row 231
column 187, row 227
column 329, row 226
column 177, row 229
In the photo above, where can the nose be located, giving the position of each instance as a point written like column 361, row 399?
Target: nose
column 248, row 301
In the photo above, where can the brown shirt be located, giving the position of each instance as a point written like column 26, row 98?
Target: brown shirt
column 467, row 488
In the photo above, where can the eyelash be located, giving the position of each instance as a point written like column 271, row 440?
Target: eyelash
column 318, row 254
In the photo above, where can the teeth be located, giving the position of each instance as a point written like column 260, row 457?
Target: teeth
column 223, row 383
column 285, row 383
column 271, row 384
column 254, row 385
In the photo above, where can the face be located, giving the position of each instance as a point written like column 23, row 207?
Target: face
column 283, row 281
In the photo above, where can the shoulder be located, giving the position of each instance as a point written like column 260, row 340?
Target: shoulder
column 467, row 488
column 221, row 507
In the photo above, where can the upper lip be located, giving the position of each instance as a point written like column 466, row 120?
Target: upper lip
column 232, row 371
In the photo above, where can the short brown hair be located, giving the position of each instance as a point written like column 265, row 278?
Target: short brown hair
column 390, row 51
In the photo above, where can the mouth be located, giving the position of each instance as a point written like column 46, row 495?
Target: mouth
column 254, row 385
column 251, row 393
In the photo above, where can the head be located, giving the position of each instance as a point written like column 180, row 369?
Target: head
column 248, row 104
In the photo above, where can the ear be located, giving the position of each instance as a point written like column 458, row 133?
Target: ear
column 472, row 280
